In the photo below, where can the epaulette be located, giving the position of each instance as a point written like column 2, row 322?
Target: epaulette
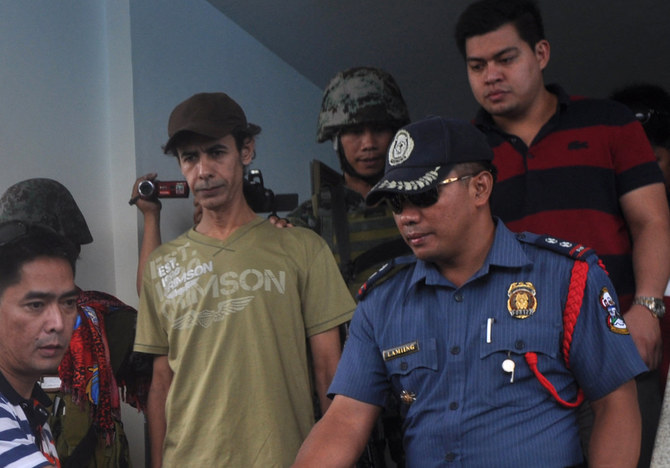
column 387, row 271
column 563, row 247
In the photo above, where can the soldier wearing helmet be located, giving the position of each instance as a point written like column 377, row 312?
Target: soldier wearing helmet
column 361, row 110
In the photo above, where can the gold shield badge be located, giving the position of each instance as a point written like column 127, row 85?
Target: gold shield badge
column 521, row 300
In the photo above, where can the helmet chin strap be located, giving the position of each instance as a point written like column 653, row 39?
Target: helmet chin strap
column 348, row 168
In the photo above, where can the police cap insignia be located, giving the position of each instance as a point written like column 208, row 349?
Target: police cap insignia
column 401, row 148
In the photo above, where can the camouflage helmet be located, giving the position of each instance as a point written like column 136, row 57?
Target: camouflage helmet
column 46, row 202
column 360, row 95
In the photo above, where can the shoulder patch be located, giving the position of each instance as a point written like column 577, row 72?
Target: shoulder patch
column 387, row 271
column 563, row 247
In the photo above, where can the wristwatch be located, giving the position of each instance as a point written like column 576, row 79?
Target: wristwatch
column 654, row 304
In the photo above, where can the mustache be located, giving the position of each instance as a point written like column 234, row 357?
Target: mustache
column 206, row 185
column 50, row 342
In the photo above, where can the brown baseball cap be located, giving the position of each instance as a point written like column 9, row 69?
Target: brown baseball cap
column 213, row 115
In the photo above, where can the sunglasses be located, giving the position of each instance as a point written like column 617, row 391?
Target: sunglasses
column 423, row 199
column 644, row 116
column 11, row 231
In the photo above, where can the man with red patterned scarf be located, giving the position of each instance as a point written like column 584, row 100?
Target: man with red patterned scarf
column 97, row 366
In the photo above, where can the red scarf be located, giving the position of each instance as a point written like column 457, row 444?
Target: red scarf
column 86, row 371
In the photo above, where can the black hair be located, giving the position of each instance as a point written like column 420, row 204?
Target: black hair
column 475, row 167
column 651, row 106
column 485, row 16
column 36, row 243
column 242, row 135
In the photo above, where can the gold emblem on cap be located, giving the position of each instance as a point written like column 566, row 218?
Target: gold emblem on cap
column 401, row 148
column 521, row 302
column 407, row 397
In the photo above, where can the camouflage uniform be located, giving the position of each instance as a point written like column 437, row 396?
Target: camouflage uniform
column 361, row 95
column 368, row 227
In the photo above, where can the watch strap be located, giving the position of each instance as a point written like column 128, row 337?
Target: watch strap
column 654, row 304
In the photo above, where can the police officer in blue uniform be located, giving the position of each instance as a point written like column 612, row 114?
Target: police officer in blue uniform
column 489, row 339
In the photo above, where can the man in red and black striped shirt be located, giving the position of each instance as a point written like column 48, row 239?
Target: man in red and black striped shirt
column 575, row 168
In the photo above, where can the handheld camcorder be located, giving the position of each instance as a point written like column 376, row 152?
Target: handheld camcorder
column 150, row 190
column 259, row 198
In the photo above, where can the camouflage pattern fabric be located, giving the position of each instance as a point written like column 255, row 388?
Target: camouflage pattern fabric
column 46, row 202
column 360, row 95
column 368, row 227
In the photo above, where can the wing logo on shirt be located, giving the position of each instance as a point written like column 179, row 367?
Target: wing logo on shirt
column 205, row 318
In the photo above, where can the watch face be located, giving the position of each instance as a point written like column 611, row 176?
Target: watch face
column 659, row 306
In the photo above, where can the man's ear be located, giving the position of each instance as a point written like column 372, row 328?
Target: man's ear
column 248, row 151
column 483, row 186
column 542, row 53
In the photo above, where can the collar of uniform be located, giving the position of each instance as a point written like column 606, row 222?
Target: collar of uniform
column 506, row 252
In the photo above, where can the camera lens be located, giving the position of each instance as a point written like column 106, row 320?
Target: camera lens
column 146, row 188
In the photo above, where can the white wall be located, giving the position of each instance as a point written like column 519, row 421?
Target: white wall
column 54, row 118
column 87, row 87
column 66, row 100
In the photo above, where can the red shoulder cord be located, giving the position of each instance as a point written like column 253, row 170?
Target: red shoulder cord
column 572, row 307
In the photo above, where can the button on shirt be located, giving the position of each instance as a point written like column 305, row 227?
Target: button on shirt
column 417, row 334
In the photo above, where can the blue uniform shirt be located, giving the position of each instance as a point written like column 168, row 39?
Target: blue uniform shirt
column 440, row 350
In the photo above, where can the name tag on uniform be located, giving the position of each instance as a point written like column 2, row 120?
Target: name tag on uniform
column 399, row 351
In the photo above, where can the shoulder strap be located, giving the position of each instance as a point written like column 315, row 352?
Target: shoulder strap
column 341, row 226
column 380, row 253
column 388, row 270
column 325, row 178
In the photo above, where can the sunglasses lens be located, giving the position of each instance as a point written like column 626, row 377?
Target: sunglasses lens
column 422, row 200
column 395, row 202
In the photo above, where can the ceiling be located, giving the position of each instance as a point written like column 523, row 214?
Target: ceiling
column 597, row 45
